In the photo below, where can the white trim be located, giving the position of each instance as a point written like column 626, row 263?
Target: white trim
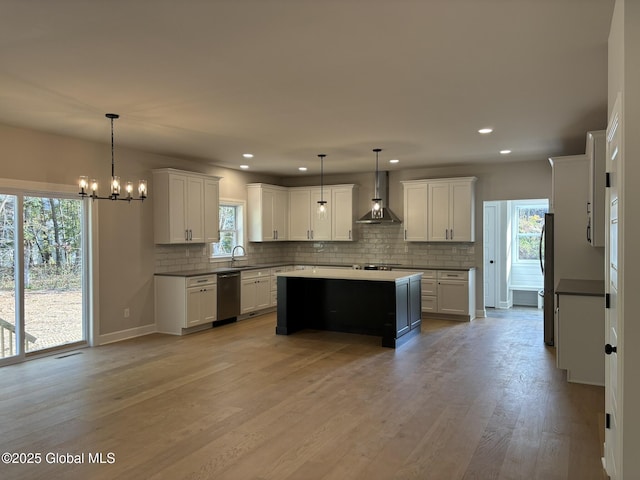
column 126, row 334
column 29, row 187
column 481, row 313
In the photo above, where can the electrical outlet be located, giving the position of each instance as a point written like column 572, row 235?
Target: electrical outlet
column 126, row 313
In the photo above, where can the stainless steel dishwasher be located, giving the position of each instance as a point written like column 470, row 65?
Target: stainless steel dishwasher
column 228, row 295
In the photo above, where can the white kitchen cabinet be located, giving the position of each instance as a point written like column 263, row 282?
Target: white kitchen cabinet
column 456, row 293
column 185, row 207
column 268, row 212
column 211, row 210
column 439, row 210
column 299, row 214
column 255, row 290
column 274, row 282
column 596, row 155
column 304, row 223
column 429, row 290
column 321, row 227
column 343, row 212
column 183, row 303
column 415, row 211
column 580, row 337
column 451, row 210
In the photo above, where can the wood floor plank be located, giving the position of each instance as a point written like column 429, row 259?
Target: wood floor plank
column 460, row 401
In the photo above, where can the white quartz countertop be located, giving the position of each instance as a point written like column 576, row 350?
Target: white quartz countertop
column 347, row 274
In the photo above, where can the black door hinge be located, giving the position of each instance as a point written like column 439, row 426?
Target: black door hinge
column 607, row 420
column 607, row 179
column 607, row 300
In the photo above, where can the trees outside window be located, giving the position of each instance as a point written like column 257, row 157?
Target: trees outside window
column 231, row 229
column 529, row 220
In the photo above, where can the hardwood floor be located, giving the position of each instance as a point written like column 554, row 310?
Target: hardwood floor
column 480, row 400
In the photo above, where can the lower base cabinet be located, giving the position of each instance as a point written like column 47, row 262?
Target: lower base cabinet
column 182, row 303
column 450, row 293
column 255, row 290
column 580, row 337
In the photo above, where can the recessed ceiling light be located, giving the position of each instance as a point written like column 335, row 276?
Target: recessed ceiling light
column 395, row 160
column 244, row 167
column 247, row 155
column 484, row 131
column 505, row 152
column 302, row 169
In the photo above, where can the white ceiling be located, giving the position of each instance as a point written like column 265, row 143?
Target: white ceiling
column 289, row 79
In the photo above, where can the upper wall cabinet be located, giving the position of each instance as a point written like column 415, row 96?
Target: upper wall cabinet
column 300, row 214
column 440, row 210
column 343, row 212
column 185, row 207
column 596, row 153
column 268, row 212
column 415, row 211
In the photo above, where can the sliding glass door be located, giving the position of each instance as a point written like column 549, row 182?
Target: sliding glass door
column 42, row 307
column 8, row 331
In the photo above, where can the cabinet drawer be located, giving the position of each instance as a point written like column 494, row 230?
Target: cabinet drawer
column 263, row 272
column 203, row 280
column 429, row 287
column 429, row 303
column 452, row 275
column 429, row 274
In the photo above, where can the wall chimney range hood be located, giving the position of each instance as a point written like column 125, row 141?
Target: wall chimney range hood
column 384, row 215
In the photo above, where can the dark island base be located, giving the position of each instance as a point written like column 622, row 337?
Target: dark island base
column 386, row 309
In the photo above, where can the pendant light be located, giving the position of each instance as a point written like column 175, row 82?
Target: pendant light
column 322, row 203
column 376, row 202
column 85, row 185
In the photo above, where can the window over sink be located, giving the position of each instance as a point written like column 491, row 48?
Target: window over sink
column 232, row 229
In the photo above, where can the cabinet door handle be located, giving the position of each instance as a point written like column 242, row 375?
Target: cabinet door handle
column 186, row 234
column 446, row 234
column 311, row 234
column 308, row 237
column 405, row 233
column 452, row 234
column 349, row 234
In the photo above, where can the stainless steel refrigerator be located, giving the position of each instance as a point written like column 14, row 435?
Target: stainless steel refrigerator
column 546, row 264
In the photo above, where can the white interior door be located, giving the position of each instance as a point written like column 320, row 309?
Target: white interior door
column 490, row 251
column 612, row 446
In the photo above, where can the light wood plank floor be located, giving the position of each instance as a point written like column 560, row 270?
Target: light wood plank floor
column 480, row 400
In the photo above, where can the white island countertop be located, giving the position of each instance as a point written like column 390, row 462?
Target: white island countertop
column 347, row 274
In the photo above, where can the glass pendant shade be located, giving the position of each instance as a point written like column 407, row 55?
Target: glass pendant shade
column 376, row 208
column 322, row 210
column 322, row 203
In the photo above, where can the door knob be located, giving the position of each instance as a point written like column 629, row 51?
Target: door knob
column 609, row 349
column 490, row 261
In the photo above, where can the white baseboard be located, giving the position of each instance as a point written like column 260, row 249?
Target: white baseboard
column 126, row 334
column 481, row 313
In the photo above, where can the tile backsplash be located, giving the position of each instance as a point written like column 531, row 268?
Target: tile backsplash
column 373, row 244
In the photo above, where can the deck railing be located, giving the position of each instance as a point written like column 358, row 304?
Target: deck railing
column 8, row 339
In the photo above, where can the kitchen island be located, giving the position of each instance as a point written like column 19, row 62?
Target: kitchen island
column 369, row 302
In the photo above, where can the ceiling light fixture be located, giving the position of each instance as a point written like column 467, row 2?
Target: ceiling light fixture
column 322, row 203
column 302, row 169
column 244, row 167
column 395, row 160
column 85, row 185
column 247, row 155
column 484, row 131
column 376, row 202
column 505, row 152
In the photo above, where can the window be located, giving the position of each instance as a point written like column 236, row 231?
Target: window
column 528, row 222
column 231, row 229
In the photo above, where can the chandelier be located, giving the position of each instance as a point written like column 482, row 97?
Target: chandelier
column 87, row 186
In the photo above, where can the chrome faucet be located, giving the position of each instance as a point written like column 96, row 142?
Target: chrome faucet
column 233, row 252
